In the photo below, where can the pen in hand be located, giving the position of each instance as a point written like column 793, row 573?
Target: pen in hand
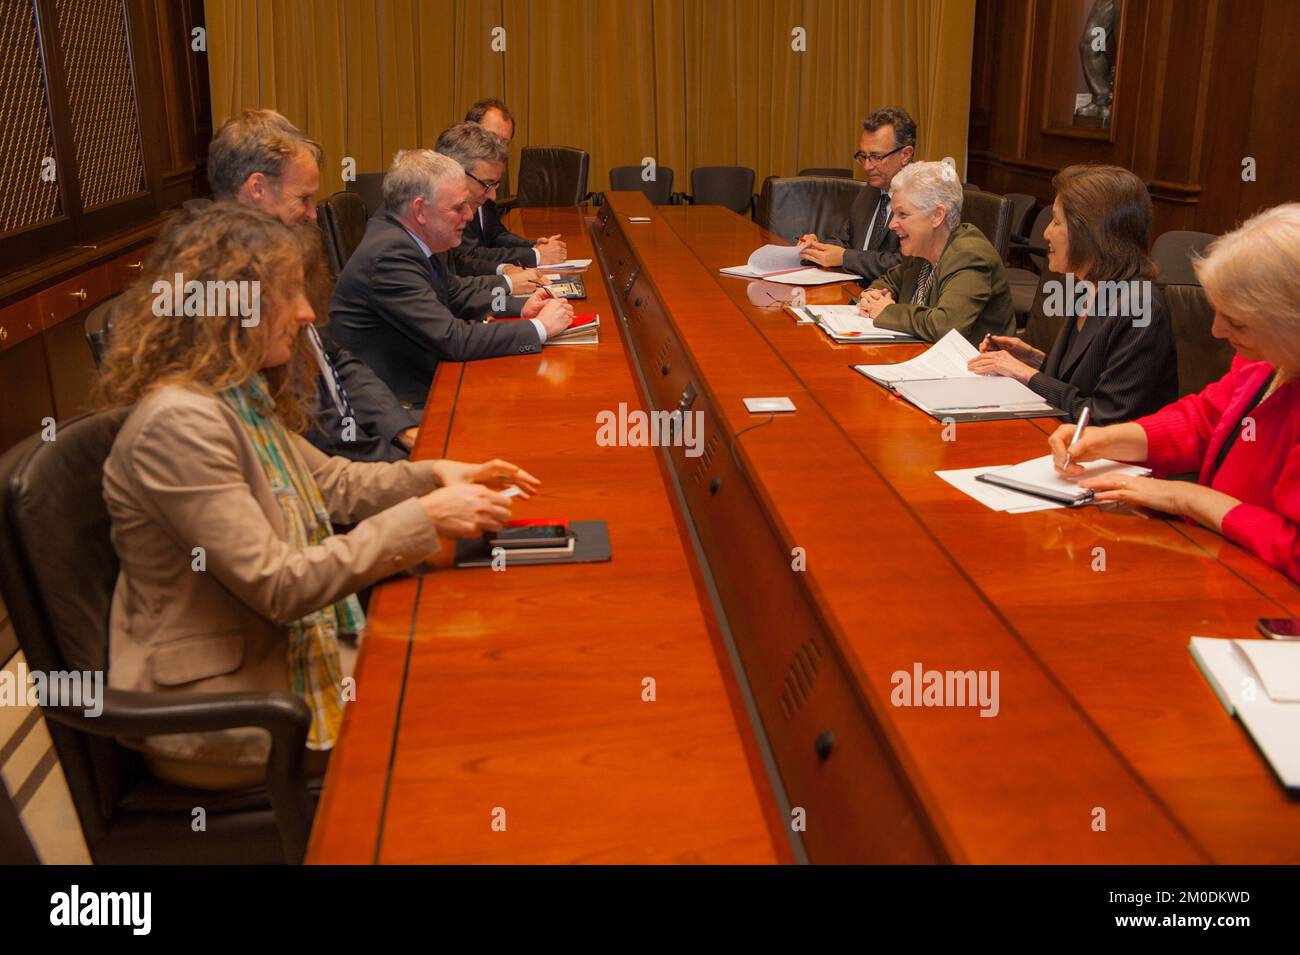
column 1078, row 433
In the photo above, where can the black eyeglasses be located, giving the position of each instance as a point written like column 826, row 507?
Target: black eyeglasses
column 865, row 158
column 487, row 186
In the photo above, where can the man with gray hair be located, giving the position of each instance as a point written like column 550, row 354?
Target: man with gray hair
column 261, row 160
column 483, row 157
column 864, row 244
column 395, row 302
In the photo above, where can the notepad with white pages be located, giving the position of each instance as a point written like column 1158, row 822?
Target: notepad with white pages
column 843, row 323
column 1038, row 477
column 1258, row 682
column 938, row 382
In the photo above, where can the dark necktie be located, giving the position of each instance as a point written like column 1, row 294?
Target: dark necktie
column 439, row 274
column 881, row 222
column 342, row 405
column 923, row 284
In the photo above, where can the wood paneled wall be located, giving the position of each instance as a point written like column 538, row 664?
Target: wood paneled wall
column 1201, row 86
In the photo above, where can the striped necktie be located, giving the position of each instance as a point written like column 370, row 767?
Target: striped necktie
column 333, row 383
column 923, row 284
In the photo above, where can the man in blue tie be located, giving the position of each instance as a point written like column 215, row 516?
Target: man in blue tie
column 399, row 308
column 262, row 160
column 865, row 244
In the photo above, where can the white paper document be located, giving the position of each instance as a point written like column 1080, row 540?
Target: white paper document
column 946, row 358
column 569, row 265
column 780, row 263
column 1038, row 477
column 994, row 497
column 1257, row 682
column 844, row 323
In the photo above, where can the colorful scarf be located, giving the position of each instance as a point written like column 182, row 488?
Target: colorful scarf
column 314, row 666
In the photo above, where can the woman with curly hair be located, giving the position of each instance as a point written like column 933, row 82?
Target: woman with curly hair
column 232, row 578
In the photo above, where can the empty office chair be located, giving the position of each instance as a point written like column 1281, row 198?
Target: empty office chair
column 1202, row 358
column 57, row 572
column 827, row 171
column 628, row 179
column 99, row 325
column 370, row 187
column 1022, row 215
column 730, row 186
column 792, row 206
column 551, row 176
column 1173, row 253
column 991, row 214
column 1024, row 282
column 342, row 222
column 15, row 847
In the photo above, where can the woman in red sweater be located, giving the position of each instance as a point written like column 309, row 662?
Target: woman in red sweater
column 1242, row 433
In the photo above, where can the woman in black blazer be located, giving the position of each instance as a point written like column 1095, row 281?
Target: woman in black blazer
column 1115, row 351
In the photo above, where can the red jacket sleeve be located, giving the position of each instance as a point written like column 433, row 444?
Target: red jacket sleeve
column 1272, row 533
column 1179, row 434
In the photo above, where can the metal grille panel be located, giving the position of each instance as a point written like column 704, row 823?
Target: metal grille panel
column 26, row 136
column 101, row 94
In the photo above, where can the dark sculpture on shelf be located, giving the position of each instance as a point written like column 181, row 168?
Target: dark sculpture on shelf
column 1097, row 50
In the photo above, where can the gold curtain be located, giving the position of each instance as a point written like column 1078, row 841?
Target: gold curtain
column 687, row 82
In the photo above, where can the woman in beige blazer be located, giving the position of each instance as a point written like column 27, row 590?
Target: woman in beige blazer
column 231, row 576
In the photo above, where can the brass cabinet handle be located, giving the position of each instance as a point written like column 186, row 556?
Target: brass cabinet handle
column 79, row 293
column 4, row 333
column 138, row 266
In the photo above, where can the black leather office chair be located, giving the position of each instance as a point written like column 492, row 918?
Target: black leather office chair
column 1024, row 282
column 827, row 171
column 15, row 847
column 552, row 176
column 342, row 221
column 792, row 206
column 99, row 325
column 730, row 186
column 369, row 186
column 57, row 572
column 1202, row 358
column 658, row 190
column 1022, row 215
column 991, row 214
column 1173, row 253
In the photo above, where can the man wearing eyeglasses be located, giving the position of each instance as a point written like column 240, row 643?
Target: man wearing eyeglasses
column 864, row 244
column 483, row 157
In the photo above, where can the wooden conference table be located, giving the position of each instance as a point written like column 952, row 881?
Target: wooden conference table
column 771, row 586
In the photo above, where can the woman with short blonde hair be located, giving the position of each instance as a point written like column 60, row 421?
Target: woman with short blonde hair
column 1241, row 434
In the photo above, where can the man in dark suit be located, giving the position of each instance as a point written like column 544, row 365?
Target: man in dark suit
column 864, row 244
column 261, row 160
column 400, row 309
column 485, row 237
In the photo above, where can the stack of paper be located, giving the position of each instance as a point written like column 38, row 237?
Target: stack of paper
column 1258, row 681
column 569, row 265
column 780, row 263
column 585, row 330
